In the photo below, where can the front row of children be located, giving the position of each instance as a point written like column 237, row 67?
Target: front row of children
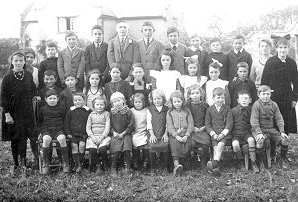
column 159, row 130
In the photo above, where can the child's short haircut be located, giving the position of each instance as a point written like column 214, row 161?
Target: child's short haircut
column 117, row 95
column 243, row 92
column 171, row 30
column 50, row 72
column 96, row 27
column 51, row 92
column 158, row 93
column 177, row 94
column 29, row 50
column 194, row 36
column 100, row 98
column 218, row 91
column 283, row 41
column 215, row 39
column 196, row 87
column 138, row 95
column 70, row 74
column 263, row 88
column 167, row 53
column 52, row 45
column 242, row 64
column 215, row 65
column 148, row 24
column 70, row 33
column 138, row 65
column 79, row 94
column 268, row 42
column 115, row 65
column 239, row 36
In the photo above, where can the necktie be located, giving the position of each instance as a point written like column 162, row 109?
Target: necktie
column 174, row 48
column 122, row 44
column 148, row 43
column 238, row 54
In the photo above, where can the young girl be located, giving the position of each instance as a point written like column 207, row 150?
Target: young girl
column 214, row 82
column 122, row 123
column 156, row 125
column 94, row 86
column 75, row 128
column 98, row 128
column 180, row 126
column 166, row 78
column 30, row 57
column 194, row 71
column 198, row 107
column 139, row 135
column 139, row 83
column 17, row 91
column 117, row 84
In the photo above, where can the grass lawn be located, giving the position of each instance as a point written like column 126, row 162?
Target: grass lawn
column 274, row 184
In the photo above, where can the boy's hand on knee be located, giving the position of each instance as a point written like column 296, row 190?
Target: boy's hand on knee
column 196, row 130
column 165, row 138
column 115, row 134
column 69, row 136
column 184, row 139
column 178, row 138
column 215, row 137
column 284, row 135
column 259, row 138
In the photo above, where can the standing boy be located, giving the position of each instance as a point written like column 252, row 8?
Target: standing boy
column 72, row 60
column 148, row 49
column 180, row 51
column 242, row 82
column 121, row 49
column 238, row 54
column 96, row 53
column 195, row 46
column 217, row 56
column 49, row 63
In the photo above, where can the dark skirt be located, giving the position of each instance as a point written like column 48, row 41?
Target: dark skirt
column 121, row 145
column 180, row 149
column 202, row 137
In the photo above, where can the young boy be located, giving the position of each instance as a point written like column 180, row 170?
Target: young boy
column 72, row 59
column 242, row 82
column 75, row 128
column 50, row 125
column 180, row 51
column 195, row 46
column 50, row 81
column 265, row 115
column 49, row 64
column 96, row 53
column 241, row 132
column 218, row 56
column 66, row 95
column 219, row 122
column 148, row 49
column 238, row 54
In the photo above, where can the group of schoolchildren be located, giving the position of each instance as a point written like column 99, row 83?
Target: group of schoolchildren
column 156, row 115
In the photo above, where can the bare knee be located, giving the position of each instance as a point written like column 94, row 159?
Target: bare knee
column 251, row 141
column 46, row 141
column 74, row 148
column 236, row 144
column 62, row 140
column 82, row 146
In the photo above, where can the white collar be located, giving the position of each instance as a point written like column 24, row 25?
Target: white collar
column 74, row 107
column 150, row 39
column 71, row 49
column 174, row 45
column 235, row 51
column 124, row 38
column 97, row 43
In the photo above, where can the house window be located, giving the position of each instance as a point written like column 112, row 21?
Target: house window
column 66, row 24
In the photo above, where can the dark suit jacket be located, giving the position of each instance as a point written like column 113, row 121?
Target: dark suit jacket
column 181, row 52
column 234, row 60
column 97, row 59
column 123, row 58
column 148, row 56
column 71, row 62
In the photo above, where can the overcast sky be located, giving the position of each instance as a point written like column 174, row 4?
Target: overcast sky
column 197, row 13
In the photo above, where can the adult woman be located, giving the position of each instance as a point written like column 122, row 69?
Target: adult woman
column 17, row 91
column 258, row 65
column 280, row 73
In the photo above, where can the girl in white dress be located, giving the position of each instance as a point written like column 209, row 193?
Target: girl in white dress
column 166, row 78
column 193, row 77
